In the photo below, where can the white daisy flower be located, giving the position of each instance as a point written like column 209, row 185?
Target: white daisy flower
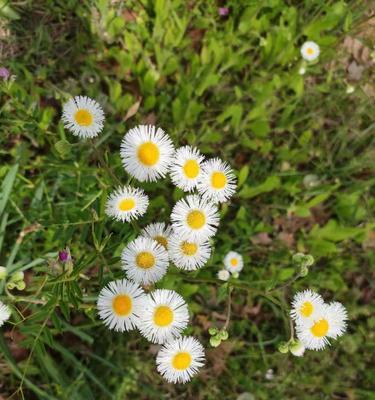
column 120, row 305
column 164, row 316
column 223, row 275
column 146, row 153
column 233, row 262
column 310, row 51
column 306, row 305
column 126, row 203
column 180, row 359
column 4, row 313
column 217, row 181
column 186, row 168
column 195, row 218
column 83, row 116
column 330, row 322
column 158, row 231
column 188, row 254
column 144, row 260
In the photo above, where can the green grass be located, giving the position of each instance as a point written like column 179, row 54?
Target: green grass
column 302, row 147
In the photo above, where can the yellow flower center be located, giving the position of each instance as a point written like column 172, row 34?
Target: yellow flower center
column 218, row 180
column 234, row 262
column 122, row 305
column 163, row 316
column 126, row 204
column 191, row 169
column 306, row 309
column 196, row 219
column 320, row 328
column 181, row 360
column 148, row 154
column 145, row 260
column 162, row 240
column 310, row 51
column 83, row 117
column 189, row 249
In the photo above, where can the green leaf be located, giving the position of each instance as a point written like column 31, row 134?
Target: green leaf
column 270, row 184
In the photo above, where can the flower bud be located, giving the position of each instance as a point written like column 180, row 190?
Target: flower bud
column 297, row 348
column 283, row 347
column 215, row 341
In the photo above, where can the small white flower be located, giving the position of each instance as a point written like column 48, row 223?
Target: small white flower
column 158, row 231
column 4, row 313
column 127, row 203
column 120, row 305
column 302, row 71
column 310, row 51
column 223, row 275
column 306, row 305
column 297, row 349
column 180, row 359
column 146, row 153
column 186, row 168
column 195, row 218
column 144, row 260
column 83, row 116
column 188, row 254
column 233, row 262
column 164, row 316
column 217, row 181
column 330, row 322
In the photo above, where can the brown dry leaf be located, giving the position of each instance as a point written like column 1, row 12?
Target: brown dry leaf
column 196, row 36
column 369, row 243
column 203, row 321
column 150, row 119
column 287, row 239
column 129, row 15
column 133, row 109
column 355, row 71
column 357, row 49
column 14, row 337
column 218, row 356
column 261, row 238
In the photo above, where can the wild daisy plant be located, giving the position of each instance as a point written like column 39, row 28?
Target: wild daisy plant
column 162, row 315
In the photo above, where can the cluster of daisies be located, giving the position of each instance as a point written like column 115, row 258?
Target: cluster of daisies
column 316, row 321
column 161, row 315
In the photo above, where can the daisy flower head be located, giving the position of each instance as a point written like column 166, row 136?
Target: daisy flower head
column 144, row 260
column 195, row 218
column 306, row 305
column 217, row 181
column 180, row 359
column 186, row 168
column 310, row 51
column 126, row 203
column 4, row 313
column 330, row 322
column 233, row 262
column 223, row 275
column 120, row 305
column 165, row 314
column 188, row 254
column 159, row 231
column 83, row 116
column 146, row 153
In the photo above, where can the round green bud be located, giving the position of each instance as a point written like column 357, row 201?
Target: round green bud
column 215, row 341
column 223, row 335
column 283, row 347
column 17, row 276
column 20, row 285
column 212, row 331
column 303, row 271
